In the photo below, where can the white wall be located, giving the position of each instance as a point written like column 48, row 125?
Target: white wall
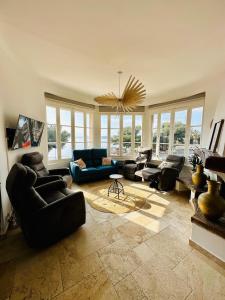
column 20, row 92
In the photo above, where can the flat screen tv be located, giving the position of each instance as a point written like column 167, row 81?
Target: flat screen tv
column 28, row 133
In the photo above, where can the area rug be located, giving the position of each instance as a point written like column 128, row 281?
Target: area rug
column 132, row 200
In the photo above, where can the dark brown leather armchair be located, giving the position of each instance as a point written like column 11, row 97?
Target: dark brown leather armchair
column 34, row 160
column 46, row 213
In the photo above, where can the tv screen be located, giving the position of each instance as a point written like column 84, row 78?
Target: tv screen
column 28, row 133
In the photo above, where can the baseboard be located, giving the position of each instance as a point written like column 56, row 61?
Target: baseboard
column 206, row 253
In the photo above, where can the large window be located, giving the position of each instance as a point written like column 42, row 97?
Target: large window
column 121, row 133
column 68, row 129
column 176, row 130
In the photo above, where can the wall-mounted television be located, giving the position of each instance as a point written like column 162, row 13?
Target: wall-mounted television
column 28, row 133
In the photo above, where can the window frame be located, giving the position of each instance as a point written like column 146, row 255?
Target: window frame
column 72, row 108
column 172, row 109
column 121, row 114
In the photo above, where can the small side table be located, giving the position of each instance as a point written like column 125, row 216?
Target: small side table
column 116, row 186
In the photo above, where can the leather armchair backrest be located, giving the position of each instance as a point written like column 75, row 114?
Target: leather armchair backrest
column 144, row 156
column 19, row 186
column 34, row 160
column 178, row 161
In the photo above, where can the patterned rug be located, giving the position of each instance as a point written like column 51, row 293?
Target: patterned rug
column 132, row 200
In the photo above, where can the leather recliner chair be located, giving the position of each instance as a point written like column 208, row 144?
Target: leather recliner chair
column 46, row 213
column 34, row 160
column 131, row 166
column 166, row 173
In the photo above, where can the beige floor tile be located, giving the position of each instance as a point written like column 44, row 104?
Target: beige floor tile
column 203, row 276
column 73, row 269
column 158, row 281
column 37, row 277
column 170, row 243
column 93, row 287
column 7, row 273
column 128, row 288
column 119, row 260
column 144, row 252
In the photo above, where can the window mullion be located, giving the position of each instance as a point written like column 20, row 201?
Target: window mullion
column 58, row 133
column 133, row 135
column 172, row 127
column 158, row 135
column 73, row 129
column 188, row 131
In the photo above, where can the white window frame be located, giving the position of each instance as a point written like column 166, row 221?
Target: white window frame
column 133, row 114
column 172, row 109
column 72, row 108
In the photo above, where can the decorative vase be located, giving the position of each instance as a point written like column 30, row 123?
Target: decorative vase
column 211, row 204
column 199, row 178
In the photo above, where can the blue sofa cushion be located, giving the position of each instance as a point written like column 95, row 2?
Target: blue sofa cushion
column 105, row 168
column 97, row 155
column 86, row 171
column 85, row 154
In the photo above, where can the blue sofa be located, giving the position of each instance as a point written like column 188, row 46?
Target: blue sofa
column 94, row 169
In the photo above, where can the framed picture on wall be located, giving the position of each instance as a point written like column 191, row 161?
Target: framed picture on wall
column 217, row 129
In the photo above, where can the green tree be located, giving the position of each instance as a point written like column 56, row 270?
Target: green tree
column 65, row 136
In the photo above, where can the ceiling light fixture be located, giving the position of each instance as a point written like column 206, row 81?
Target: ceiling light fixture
column 133, row 94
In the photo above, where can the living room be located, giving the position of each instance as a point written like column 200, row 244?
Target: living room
column 143, row 239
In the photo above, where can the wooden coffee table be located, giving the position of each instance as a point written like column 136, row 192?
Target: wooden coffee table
column 116, row 186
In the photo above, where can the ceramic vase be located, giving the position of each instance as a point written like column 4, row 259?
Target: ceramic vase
column 211, row 204
column 199, row 178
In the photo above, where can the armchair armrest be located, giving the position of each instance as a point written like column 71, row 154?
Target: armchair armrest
column 54, row 185
column 46, row 179
column 151, row 165
column 169, row 172
column 60, row 171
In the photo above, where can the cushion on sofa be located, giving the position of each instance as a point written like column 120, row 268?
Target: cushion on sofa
column 97, row 155
column 85, row 154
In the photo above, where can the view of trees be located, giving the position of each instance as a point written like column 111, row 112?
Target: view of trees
column 65, row 136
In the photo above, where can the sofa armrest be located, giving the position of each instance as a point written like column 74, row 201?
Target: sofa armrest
column 46, row 179
column 54, row 185
column 60, row 171
column 74, row 169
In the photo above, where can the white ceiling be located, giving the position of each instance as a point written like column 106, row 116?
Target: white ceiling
column 82, row 44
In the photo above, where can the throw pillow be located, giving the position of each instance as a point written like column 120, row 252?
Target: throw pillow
column 80, row 163
column 106, row 161
column 166, row 164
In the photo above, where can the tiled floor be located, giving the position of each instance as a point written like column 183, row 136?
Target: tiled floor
column 139, row 255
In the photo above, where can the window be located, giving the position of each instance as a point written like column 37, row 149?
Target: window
column 121, row 133
column 115, row 135
column 127, row 133
column 154, row 132
column 196, row 127
column 79, row 129
column 138, row 131
column 180, row 122
column 104, row 131
column 176, row 131
column 52, row 132
column 89, row 131
column 65, row 133
column 164, row 134
column 68, row 129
